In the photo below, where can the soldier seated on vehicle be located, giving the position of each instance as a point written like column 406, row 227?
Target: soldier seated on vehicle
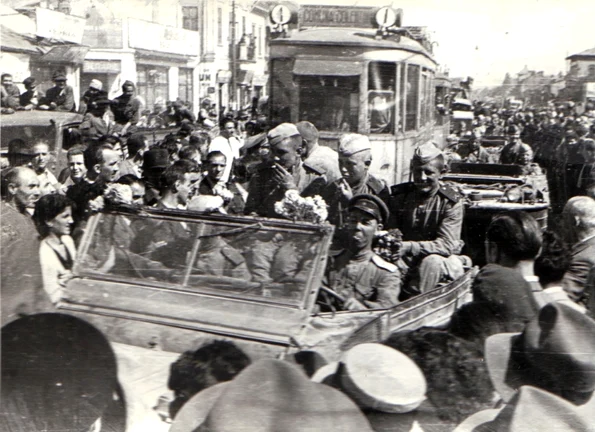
column 430, row 216
column 355, row 158
column 471, row 150
column 356, row 276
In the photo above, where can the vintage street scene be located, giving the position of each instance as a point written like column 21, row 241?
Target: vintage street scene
column 301, row 216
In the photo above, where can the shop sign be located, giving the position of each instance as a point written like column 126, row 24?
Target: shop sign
column 335, row 16
column 102, row 66
column 155, row 37
column 59, row 26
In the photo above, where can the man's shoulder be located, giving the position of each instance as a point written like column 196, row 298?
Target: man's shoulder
column 311, row 168
column 449, row 193
column 402, row 188
column 375, row 184
column 385, row 265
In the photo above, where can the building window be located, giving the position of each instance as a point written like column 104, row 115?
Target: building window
column 185, row 85
column 190, row 17
column 591, row 71
column 381, row 97
column 219, row 26
column 243, row 25
column 259, row 41
column 152, row 84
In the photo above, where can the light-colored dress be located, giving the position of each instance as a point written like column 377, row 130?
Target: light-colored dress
column 54, row 266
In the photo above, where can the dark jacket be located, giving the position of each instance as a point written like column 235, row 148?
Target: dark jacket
column 63, row 98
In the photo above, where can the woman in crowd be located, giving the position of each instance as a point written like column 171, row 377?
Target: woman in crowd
column 57, row 252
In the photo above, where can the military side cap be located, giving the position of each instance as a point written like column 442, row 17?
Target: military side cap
column 371, row 205
column 284, row 130
column 307, row 130
column 426, row 153
column 59, row 373
column 350, row 144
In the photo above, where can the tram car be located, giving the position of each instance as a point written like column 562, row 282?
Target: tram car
column 356, row 69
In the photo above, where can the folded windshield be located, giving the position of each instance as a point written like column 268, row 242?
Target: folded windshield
column 246, row 260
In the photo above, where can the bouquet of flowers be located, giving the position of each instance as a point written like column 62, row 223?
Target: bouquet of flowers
column 115, row 194
column 387, row 244
column 297, row 208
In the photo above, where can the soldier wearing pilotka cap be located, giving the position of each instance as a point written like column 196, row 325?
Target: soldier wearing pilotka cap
column 283, row 171
column 355, row 157
column 430, row 216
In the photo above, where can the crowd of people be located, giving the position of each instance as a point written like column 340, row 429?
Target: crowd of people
column 554, row 139
column 540, row 286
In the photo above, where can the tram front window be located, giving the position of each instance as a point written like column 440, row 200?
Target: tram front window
column 330, row 102
column 381, row 97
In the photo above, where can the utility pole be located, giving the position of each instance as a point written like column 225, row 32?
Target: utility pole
column 232, row 30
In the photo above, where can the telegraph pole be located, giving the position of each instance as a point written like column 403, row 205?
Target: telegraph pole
column 232, row 30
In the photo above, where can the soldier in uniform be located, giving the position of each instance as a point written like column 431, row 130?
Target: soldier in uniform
column 282, row 172
column 360, row 277
column 516, row 151
column 355, row 157
column 430, row 216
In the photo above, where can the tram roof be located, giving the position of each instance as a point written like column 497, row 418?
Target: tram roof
column 350, row 36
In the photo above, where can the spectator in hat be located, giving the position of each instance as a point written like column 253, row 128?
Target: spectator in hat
column 137, row 144
column 94, row 92
column 10, row 94
column 282, row 172
column 356, row 276
column 155, row 161
column 53, row 218
column 355, row 158
column 97, row 123
column 60, row 97
column 185, row 131
column 20, row 278
column 579, row 223
column 515, row 152
column 127, row 107
column 182, row 113
column 39, row 163
column 30, row 98
column 430, row 215
column 229, row 144
column 59, row 373
column 545, row 375
column 270, row 395
column 323, row 158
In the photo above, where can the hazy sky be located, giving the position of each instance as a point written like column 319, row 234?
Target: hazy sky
column 487, row 38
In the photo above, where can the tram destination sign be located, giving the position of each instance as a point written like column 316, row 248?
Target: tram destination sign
column 336, row 16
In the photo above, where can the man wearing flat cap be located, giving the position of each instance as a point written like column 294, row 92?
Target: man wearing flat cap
column 29, row 99
column 430, row 216
column 359, row 278
column 282, row 172
column 355, row 157
column 60, row 97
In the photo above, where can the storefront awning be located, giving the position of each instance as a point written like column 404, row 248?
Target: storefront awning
column 245, row 78
column 223, row 77
column 15, row 42
column 66, row 54
column 326, row 67
column 163, row 57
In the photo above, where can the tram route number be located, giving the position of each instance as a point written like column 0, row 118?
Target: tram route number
column 333, row 16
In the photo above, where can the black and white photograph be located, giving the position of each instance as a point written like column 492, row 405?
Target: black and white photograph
column 297, row 215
